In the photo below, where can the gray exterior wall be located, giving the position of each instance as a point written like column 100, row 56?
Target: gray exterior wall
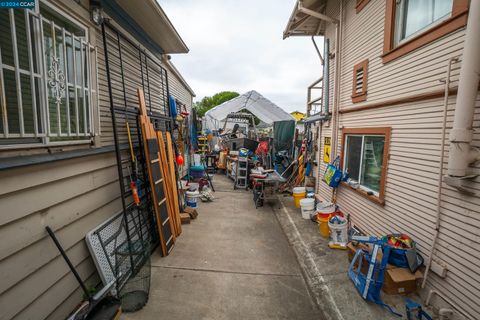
column 71, row 196
column 415, row 160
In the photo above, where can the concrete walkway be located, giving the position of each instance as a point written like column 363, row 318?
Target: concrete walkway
column 325, row 270
column 232, row 262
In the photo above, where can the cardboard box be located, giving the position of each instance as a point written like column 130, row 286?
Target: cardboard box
column 397, row 280
column 401, row 281
column 351, row 249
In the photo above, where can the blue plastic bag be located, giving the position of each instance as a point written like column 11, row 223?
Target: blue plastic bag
column 333, row 175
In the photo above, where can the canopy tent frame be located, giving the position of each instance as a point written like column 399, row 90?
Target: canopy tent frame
column 252, row 101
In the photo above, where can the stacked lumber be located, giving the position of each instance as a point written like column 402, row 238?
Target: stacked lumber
column 170, row 181
column 168, row 224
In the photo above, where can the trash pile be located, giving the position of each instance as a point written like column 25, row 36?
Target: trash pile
column 388, row 264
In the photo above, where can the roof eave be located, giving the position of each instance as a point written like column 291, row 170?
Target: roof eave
column 149, row 15
column 298, row 19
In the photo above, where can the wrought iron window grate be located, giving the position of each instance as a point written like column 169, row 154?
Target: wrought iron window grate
column 48, row 79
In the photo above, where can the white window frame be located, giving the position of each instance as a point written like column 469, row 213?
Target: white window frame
column 90, row 94
column 360, row 171
column 400, row 23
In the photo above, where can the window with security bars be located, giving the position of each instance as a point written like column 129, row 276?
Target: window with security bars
column 48, row 76
column 360, row 76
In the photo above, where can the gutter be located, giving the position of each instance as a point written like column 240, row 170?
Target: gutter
column 461, row 152
column 316, row 117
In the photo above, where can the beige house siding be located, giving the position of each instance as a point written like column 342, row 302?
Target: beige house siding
column 71, row 196
column 414, row 73
column 182, row 94
column 178, row 90
column 412, row 172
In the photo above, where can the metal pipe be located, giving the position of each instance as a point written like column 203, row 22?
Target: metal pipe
column 461, row 153
column 67, row 260
column 318, row 51
column 440, row 171
column 336, row 91
column 326, row 77
column 457, row 308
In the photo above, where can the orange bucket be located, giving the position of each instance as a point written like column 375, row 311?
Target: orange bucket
column 323, row 228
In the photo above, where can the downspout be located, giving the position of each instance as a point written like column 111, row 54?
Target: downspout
column 326, row 78
column 461, row 153
column 336, row 90
column 336, row 22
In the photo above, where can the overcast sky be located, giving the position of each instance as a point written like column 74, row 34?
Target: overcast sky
column 237, row 45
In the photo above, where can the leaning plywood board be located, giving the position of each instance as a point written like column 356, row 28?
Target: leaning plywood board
column 152, row 156
column 173, row 174
column 169, row 187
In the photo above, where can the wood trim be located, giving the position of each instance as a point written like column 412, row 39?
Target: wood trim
column 386, row 131
column 364, row 194
column 457, row 21
column 459, row 7
column 401, row 100
column 360, row 96
column 361, row 4
column 389, row 28
column 36, row 159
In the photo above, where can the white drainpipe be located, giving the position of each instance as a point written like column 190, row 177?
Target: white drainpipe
column 461, row 154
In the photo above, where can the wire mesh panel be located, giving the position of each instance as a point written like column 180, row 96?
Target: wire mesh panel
column 105, row 240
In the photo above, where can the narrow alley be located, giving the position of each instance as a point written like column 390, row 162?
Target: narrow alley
column 234, row 262
column 250, row 160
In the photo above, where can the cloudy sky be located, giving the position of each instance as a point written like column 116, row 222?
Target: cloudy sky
column 237, row 45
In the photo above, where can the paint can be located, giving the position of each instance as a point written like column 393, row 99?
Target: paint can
column 308, row 207
column 191, row 198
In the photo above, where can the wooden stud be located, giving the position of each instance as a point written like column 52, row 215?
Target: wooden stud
column 149, row 134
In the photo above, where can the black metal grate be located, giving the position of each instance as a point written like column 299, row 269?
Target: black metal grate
column 128, row 68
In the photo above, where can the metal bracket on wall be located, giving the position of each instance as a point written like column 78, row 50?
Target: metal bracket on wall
column 458, row 183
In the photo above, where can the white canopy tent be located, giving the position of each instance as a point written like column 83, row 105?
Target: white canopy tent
column 252, row 101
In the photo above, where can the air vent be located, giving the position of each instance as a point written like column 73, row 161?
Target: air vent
column 359, row 86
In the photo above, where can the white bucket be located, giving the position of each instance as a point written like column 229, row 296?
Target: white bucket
column 308, row 207
column 191, row 198
column 339, row 232
column 298, row 190
column 325, row 207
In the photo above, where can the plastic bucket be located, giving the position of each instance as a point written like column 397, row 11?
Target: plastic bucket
column 298, row 194
column 323, row 225
column 191, row 198
column 325, row 208
column 338, row 230
column 308, row 207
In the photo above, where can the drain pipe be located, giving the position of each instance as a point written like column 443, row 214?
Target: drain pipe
column 337, row 24
column 461, row 153
column 440, row 172
column 336, row 90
